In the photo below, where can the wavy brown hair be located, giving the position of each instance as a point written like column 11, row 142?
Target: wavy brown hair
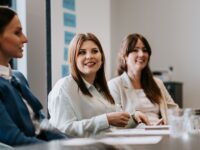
column 149, row 85
column 100, row 79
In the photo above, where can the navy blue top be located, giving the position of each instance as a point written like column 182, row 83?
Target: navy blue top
column 16, row 127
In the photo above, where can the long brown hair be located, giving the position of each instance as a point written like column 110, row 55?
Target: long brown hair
column 6, row 16
column 149, row 85
column 100, row 79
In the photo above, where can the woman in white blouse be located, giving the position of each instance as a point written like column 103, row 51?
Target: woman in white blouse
column 135, row 88
column 80, row 104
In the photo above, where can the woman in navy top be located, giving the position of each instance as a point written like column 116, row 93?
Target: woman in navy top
column 22, row 121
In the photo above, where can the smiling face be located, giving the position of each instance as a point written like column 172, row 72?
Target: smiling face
column 89, row 60
column 137, row 59
column 12, row 41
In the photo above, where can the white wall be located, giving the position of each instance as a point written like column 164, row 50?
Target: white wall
column 57, row 38
column 173, row 30
column 36, row 48
column 94, row 16
column 115, row 38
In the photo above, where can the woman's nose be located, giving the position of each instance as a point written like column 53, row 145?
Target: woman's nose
column 88, row 55
column 24, row 39
column 140, row 53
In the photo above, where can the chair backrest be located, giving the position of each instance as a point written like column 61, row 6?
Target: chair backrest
column 5, row 147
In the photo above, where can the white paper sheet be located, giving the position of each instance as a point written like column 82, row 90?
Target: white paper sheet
column 157, row 127
column 131, row 140
column 79, row 142
column 114, row 141
column 136, row 132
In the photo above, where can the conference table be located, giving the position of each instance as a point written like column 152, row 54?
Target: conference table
column 192, row 142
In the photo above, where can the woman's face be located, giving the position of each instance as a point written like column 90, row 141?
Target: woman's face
column 12, row 40
column 138, row 59
column 89, row 60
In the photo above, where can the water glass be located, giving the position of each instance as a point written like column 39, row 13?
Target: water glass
column 176, row 118
column 194, row 121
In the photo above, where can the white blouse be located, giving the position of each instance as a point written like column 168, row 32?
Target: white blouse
column 143, row 104
column 77, row 114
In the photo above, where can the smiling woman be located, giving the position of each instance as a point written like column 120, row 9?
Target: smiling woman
column 135, row 88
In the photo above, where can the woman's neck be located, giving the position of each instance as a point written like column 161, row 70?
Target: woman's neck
column 4, row 61
column 135, row 80
column 90, row 79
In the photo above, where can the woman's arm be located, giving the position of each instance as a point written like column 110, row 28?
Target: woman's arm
column 10, row 134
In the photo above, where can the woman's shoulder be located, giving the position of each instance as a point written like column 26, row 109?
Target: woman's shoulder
column 121, row 80
column 64, row 86
column 116, row 79
column 17, row 74
column 66, row 82
column 158, row 81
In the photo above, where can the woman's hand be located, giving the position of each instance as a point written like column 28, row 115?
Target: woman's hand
column 118, row 119
column 141, row 118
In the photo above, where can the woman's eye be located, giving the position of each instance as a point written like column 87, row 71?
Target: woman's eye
column 94, row 51
column 135, row 50
column 81, row 52
column 144, row 49
column 138, row 49
column 17, row 33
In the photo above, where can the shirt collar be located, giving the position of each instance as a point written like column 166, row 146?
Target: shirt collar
column 5, row 72
column 126, row 80
column 88, row 85
column 91, row 86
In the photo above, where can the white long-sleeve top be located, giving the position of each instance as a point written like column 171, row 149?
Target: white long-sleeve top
column 77, row 114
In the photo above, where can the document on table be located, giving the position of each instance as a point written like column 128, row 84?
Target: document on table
column 140, row 140
column 79, row 142
column 114, row 141
column 157, row 127
column 138, row 132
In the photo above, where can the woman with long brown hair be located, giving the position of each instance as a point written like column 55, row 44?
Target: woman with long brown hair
column 135, row 88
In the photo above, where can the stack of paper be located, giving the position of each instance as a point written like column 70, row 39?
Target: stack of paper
column 114, row 141
column 136, row 132
column 131, row 140
column 158, row 127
